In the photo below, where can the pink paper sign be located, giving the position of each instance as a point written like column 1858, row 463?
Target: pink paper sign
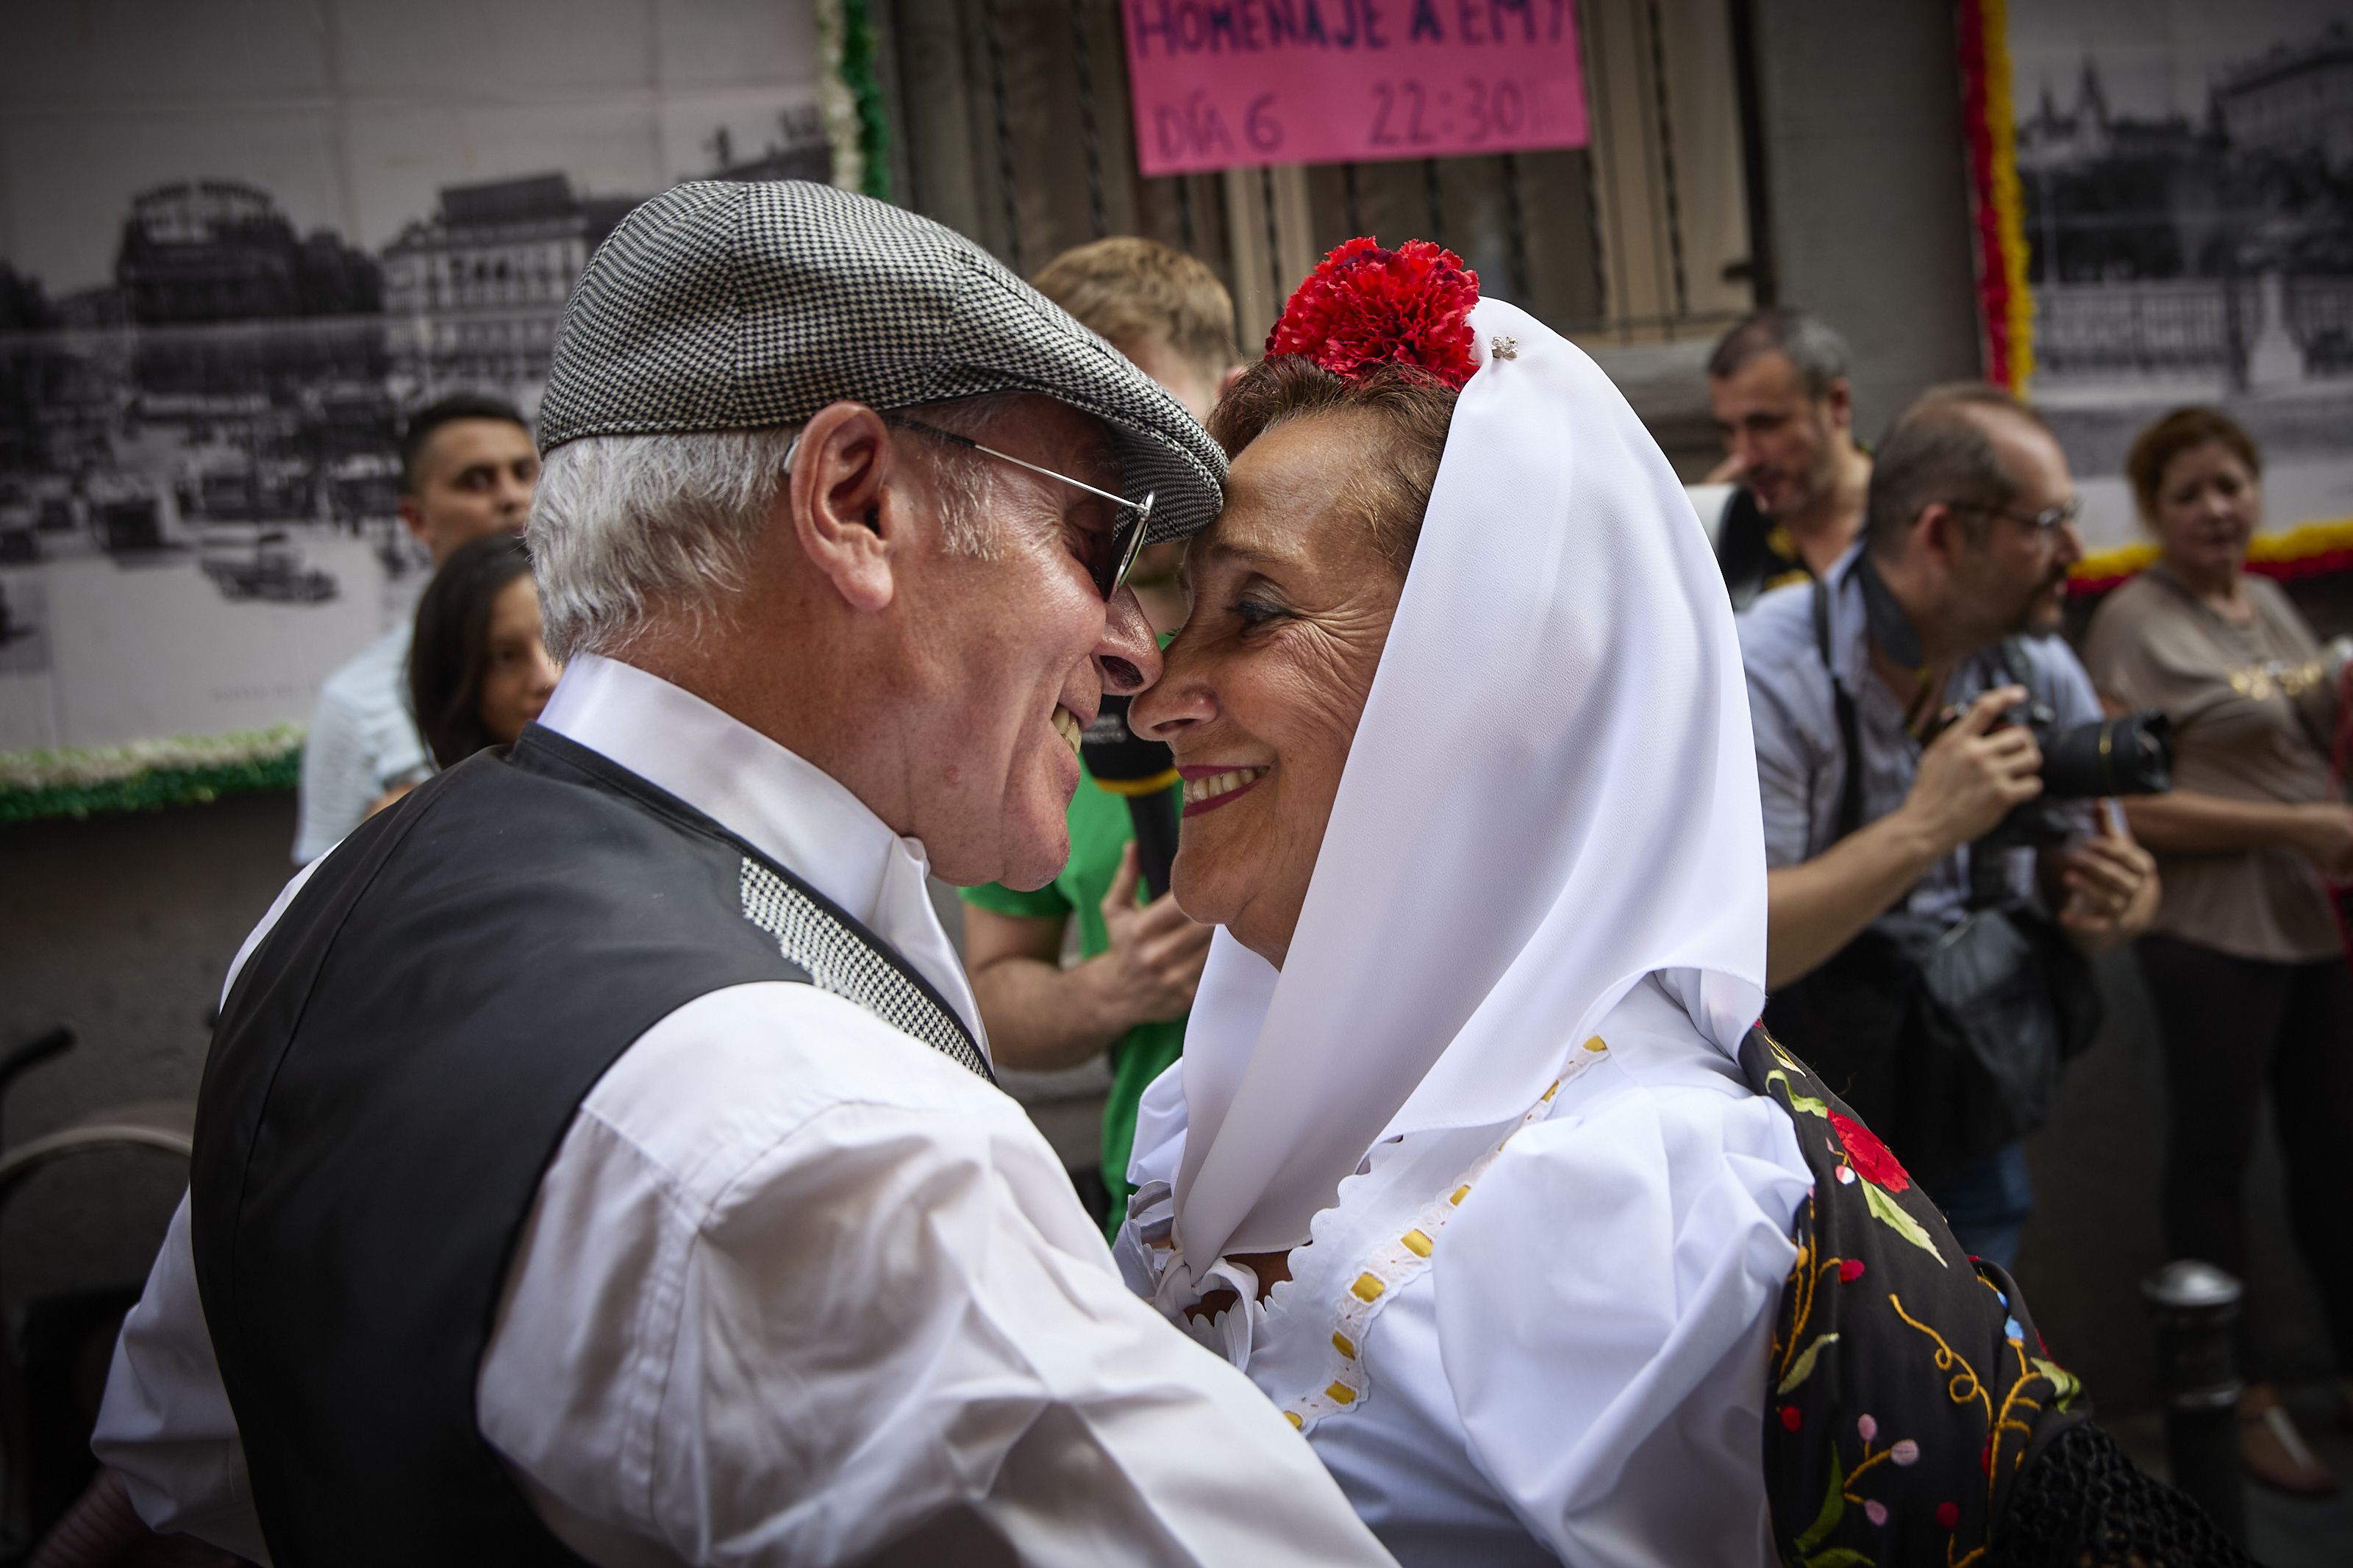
column 1222, row 84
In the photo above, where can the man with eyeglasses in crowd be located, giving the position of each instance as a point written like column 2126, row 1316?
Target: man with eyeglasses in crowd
column 598, row 1157
column 1929, row 634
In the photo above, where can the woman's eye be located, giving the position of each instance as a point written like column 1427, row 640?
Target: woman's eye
column 1257, row 612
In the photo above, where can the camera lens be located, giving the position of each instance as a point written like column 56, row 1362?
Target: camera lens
column 2130, row 755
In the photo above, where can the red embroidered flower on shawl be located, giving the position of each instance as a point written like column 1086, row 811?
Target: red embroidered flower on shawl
column 1363, row 306
column 1873, row 1159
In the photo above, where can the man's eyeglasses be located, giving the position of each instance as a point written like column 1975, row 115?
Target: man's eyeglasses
column 2046, row 524
column 1110, row 556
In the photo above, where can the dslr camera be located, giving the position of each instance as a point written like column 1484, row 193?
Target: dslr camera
column 2128, row 755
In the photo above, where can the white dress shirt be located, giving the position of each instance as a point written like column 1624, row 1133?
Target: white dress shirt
column 797, row 1286
column 1541, row 1343
column 362, row 741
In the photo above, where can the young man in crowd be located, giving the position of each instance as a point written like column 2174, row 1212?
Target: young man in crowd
column 1139, row 960
column 1935, row 627
column 467, row 468
column 1777, row 385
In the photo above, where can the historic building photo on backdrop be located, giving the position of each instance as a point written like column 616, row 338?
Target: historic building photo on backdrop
column 2174, row 224
column 238, row 244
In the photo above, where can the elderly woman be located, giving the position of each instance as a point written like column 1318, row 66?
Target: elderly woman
column 1474, row 1162
column 2244, row 959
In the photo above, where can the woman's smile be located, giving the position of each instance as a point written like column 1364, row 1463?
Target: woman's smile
column 1207, row 788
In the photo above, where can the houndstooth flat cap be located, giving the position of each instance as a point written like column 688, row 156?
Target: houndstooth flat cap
column 720, row 306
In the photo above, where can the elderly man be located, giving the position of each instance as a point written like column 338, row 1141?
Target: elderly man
column 1777, row 385
column 1882, row 695
column 598, row 1157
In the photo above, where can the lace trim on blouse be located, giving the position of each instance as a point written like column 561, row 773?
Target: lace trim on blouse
column 1398, row 1262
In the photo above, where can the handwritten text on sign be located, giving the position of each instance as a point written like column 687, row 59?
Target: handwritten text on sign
column 1221, row 84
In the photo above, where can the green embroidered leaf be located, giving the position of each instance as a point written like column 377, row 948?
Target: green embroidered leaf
column 1805, row 1102
column 1803, row 1367
column 1838, row 1557
column 1833, row 1510
column 1892, row 1215
column 2068, row 1386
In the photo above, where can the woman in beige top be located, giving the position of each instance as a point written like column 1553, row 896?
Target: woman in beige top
column 2244, row 961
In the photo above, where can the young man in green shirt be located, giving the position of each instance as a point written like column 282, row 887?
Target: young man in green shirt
column 1139, row 960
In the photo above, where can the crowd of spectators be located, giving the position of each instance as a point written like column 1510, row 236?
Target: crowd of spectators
column 1937, row 885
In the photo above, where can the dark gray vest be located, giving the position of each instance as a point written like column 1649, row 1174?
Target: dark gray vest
column 392, row 1073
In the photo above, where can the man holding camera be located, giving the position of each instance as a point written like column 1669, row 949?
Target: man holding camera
column 1927, row 924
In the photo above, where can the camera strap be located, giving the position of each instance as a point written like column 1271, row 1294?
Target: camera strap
column 2015, row 664
column 1849, row 816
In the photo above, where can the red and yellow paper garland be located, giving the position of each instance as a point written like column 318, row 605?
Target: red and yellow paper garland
column 1996, row 206
column 2311, row 550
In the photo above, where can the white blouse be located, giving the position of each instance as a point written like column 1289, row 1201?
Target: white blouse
column 1537, row 1342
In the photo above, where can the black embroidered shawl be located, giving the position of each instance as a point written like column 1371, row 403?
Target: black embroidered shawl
column 1914, row 1415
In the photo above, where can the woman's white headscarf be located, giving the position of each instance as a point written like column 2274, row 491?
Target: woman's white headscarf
column 1551, row 794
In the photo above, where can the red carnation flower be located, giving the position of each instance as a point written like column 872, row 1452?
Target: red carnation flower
column 1363, row 306
column 1871, row 1159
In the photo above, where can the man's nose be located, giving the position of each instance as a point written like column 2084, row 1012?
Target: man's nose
column 1174, row 703
column 1129, row 654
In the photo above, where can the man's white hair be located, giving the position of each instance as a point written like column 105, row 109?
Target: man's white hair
column 624, row 526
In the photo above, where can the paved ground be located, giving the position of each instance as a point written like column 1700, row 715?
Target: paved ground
column 2282, row 1531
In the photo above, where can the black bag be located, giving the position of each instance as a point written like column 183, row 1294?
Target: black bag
column 1948, row 1039
column 2022, row 1002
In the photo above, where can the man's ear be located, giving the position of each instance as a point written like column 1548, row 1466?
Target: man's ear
column 1839, row 399
column 412, row 515
column 1938, row 533
column 833, row 499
